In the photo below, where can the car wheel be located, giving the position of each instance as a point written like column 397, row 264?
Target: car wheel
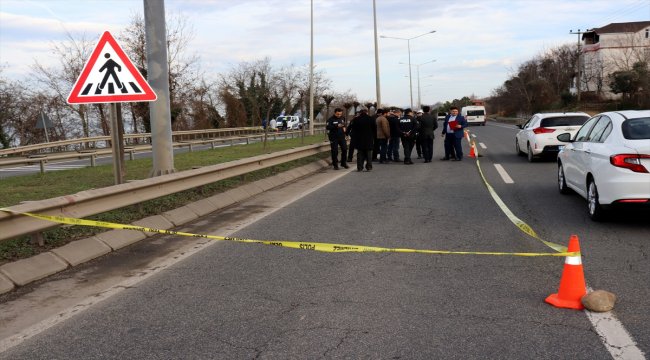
column 519, row 152
column 561, row 180
column 531, row 158
column 596, row 211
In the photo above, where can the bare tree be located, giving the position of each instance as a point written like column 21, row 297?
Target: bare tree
column 183, row 70
column 328, row 100
column 72, row 54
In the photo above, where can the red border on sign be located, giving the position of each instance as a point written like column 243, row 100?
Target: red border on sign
column 147, row 92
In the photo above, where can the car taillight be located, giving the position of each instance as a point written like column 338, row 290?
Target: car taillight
column 542, row 130
column 629, row 161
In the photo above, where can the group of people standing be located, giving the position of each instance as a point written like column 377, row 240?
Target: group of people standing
column 378, row 137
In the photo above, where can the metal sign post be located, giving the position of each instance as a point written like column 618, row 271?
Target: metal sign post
column 116, row 146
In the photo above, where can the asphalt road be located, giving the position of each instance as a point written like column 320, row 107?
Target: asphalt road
column 234, row 300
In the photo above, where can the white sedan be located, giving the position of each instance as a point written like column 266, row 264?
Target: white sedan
column 537, row 136
column 608, row 161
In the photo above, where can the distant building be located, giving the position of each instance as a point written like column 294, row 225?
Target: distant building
column 611, row 48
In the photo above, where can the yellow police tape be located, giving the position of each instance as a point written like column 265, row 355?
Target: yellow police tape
column 511, row 216
column 323, row 247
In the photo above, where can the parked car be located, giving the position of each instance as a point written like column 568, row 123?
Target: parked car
column 292, row 122
column 607, row 161
column 442, row 116
column 537, row 136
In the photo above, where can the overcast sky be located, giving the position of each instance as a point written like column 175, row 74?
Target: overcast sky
column 477, row 43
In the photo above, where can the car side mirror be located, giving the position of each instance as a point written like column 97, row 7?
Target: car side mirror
column 564, row 137
column 521, row 126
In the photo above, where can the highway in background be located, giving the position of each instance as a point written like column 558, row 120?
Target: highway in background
column 59, row 165
column 234, row 300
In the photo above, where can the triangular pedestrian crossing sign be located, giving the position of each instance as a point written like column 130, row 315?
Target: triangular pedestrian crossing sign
column 109, row 76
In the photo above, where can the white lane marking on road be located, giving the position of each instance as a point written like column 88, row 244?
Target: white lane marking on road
column 482, row 146
column 26, row 334
column 614, row 336
column 504, row 175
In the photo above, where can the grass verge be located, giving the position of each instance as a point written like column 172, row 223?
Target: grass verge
column 53, row 184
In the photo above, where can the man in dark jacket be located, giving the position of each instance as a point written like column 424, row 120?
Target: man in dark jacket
column 365, row 129
column 336, row 134
column 427, row 126
column 393, row 141
column 408, row 128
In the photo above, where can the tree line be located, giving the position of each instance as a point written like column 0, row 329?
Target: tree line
column 251, row 92
column 246, row 95
column 544, row 83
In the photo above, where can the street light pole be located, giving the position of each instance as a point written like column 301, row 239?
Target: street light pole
column 417, row 67
column 311, row 75
column 374, row 14
column 408, row 44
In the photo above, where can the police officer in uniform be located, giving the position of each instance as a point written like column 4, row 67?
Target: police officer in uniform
column 408, row 128
column 336, row 134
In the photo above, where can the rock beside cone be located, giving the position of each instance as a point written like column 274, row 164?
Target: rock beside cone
column 599, row 301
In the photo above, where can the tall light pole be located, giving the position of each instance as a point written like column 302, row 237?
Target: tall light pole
column 417, row 70
column 408, row 44
column 311, row 74
column 158, row 77
column 579, row 77
column 374, row 15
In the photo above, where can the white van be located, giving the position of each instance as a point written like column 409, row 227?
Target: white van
column 474, row 114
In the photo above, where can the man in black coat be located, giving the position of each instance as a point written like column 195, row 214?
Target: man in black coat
column 365, row 129
column 427, row 126
column 393, row 142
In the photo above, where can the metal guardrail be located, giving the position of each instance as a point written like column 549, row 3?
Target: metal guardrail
column 92, row 154
column 96, row 201
column 130, row 139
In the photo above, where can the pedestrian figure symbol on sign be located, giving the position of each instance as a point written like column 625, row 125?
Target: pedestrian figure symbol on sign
column 99, row 81
column 109, row 66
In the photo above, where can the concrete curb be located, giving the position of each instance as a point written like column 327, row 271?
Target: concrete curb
column 6, row 285
column 83, row 250
column 25, row 271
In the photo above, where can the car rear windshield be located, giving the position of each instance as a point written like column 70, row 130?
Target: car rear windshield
column 563, row 121
column 475, row 112
column 636, row 129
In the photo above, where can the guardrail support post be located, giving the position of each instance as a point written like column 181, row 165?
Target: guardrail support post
column 212, row 144
column 132, row 155
column 92, row 159
column 42, row 163
column 37, row 238
column 191, row 148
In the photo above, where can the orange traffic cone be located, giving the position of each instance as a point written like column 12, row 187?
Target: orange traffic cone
column 472, row 154
column 572, row 283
